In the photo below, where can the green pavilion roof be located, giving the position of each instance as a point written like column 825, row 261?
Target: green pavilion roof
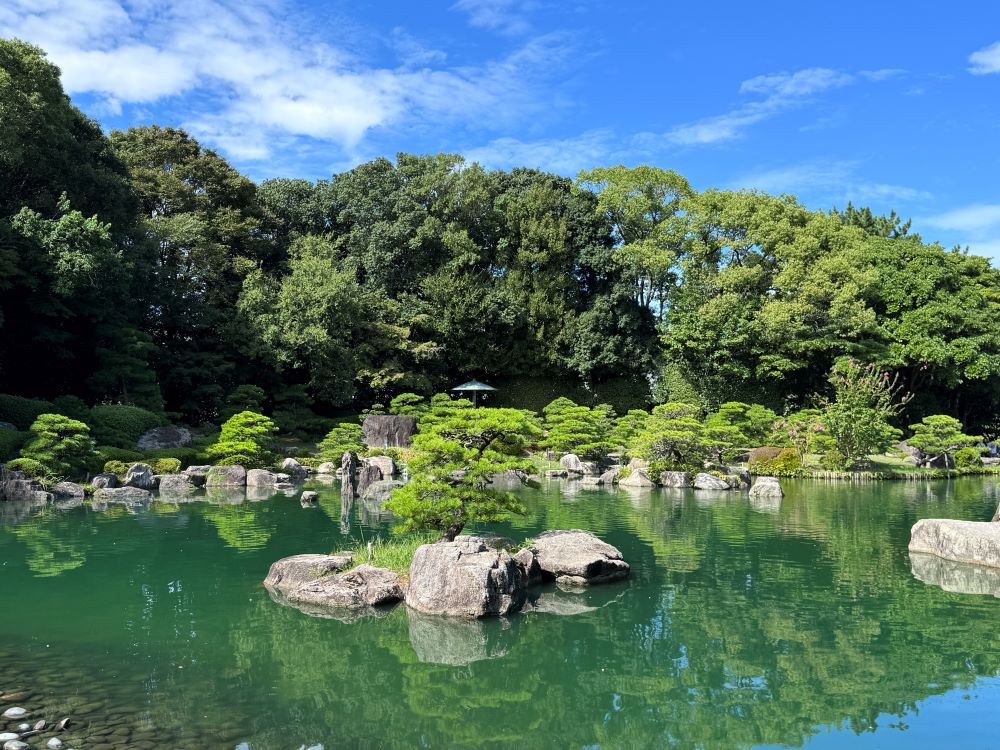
column 473, row 385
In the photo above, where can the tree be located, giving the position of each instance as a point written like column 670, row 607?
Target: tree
column 456, row 457
column 752, row 423
column 672, row 435
column 626, row 428
column 940, row 436
column 245, row 439
column 858, row 418
column 408, row 404
column 345, row 437
column 571, row 428
column 61, row 445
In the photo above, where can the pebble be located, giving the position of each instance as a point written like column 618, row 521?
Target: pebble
column 15, row 712
column 15, row 745
column 6, row 736
column 54, row 744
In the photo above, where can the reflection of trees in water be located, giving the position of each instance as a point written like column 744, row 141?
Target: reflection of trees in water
column 243, row 527
column 54, row 545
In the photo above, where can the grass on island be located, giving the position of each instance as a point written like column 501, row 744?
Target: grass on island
column 394, row 552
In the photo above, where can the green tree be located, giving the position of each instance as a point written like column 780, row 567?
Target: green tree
column 345, row 437
column 245, row 437
column 456, row 457
column 753, row 423
column 60, row 444
column 408, row 404
column 940, row 435
column 672, row 435
column 864, row 402
column 571, row 428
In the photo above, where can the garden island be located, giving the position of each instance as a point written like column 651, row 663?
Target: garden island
column 428, row 454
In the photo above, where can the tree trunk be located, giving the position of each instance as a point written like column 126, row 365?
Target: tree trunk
column 451, row 532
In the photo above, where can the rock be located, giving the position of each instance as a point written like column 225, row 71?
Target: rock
column 363, row 587
column 7, row 736
column 589, row 481
column 176, row 484
column 54, row 743
column 572, row 463
column 636, row 478
column 766, row 487
column 327, row 467
column 15, row 745
column 381, row 490
column 385, row 463
column 294, row 469
column 226, row 476
column 465, row 578
column 590, row 468
column 578, row 557
column 676, row 479
column 388, row 430
column 289, row 573
column 20, row 489
column 529, row 562
column 912, row 460
column 743, row 475
column 141, row 476
column 309, row 496
column 556, row 474
column 958, row 577
column 67, row 489
column 734, row 481
column 705, row 481
column 348, row 475
column 8, row 426
column 121, row 494
column 639, row 463
column 160, row 438
column 370, row 473
column 908, row 450
column 104, row 480
column 610, row 477
column 198, row 474
column 963, row 541
column 261, row 478
column 15, row 712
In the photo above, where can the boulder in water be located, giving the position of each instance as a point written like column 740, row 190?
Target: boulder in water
column 578, row 557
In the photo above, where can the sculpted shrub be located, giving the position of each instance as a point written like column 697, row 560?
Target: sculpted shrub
column 11, row 442
column 775, row 462
column 166, row 466
column 118, row 468
column 940, row 435
column 29, row 466
column 122, row 425
column 60, row 444
column 968, row 458
column 345, row 437
column 246, row 436
column 20, row 411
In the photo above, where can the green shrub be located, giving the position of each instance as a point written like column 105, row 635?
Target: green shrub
column 166, row 466
column 118, row 468
column 111, row 453
column 346, row 436
column 29, row 466
column 20, row 411
column 186, row 456
column 784, row 463
column 408, row 404
column 72, row 407
column 833, row 460
column 967, row 458
column 236, row 460
column 62, row 445
column 122, row 425
column 248, row 436
column 11, row 442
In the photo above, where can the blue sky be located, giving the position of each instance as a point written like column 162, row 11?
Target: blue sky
column 892, row 105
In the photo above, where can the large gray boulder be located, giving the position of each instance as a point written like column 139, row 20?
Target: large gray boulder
column 380, row 491
column 963, row 541
column 578, row 557
column 198, row 474
column 175, row 485
column 348, row 475
column 385, row 464
column 141, row 476
column 465, row 578
column 766, row 487
column 160, row 438
column 636, row 478
column 389, row 430
column 104, row 480
column 609, row 477
column 67, row 490
column 676, row 479
column 591, row 468
column 572, row 463
column 294, row 469
column 370, row 473
column 121, row 494
column 261, row 478
column 289, row 573
column 20, row 488
column 363, row 587
column 327, row 467
column 705, row 481
column 226, row 476
column 527, row 559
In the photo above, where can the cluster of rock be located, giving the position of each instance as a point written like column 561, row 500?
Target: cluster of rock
column 371, row 478
column 960, row 556
column 471, row 577
column 20, row 729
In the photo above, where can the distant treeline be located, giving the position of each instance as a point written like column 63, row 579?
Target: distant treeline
column 142, row 268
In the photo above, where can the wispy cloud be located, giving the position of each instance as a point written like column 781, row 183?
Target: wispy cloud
column 986, row 60
column 252, row 82
column 565, row 156
column 976, row 226
column 505, row 16
column 780, row 92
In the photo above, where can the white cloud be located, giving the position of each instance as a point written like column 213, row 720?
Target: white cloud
column 781, row 92
column 251, row 80
column 986, row 60
column 506, row 16
column 973, row 218
column 565, row 156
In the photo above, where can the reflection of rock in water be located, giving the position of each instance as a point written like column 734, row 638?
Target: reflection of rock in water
column 256, row 494
column 341, row 614
column 553, row 599
column 765, row 504
column 452, row 640
column 960, row 578
column 373, row 512
column 68, row 503
column 16, row 511
column 132, row 505
column 346, row 505
column 225, row 495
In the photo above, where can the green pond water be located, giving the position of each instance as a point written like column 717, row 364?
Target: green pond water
column 799, row 624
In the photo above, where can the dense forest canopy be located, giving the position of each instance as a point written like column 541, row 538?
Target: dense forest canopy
column 143, row 268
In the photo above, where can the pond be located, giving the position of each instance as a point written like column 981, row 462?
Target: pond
column 741, row 627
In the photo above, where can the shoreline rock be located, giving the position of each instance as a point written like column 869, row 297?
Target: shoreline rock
column 578, row 557
column 976, row 542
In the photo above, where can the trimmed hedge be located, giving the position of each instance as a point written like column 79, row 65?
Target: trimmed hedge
column 22, row 412
column 774, row 462
column 121, row 425
column 11, row 442
column 29, row 466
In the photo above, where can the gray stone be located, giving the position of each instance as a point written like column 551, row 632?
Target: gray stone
column 766, row 487
column 121, row 494
column 198, row 474
column 556, row 474
column 676, row 479
column 963, row 541
column 226, row 476
column 309, row 496
column 160, row 438
column 104, row 480
column 261, row 478
column 370, row 473
column 909, row 450
column 20, row 489
column 176, row 484
column 572, row 463
column 6, row 736
column 385, row 463
column 705, row 481
column 363, row 587
column 465, row 578
column 348, row 475
column 388, row 430
column 578, row 557
column 327, row 467
column 636, row 478
column 590, row 468
column 15, row 712
column 15, row 745
column 289, row 573
column 67, row 489
column 610, row 477
column 529, row 562
column 639, row 463
column 141, row 476
column 294, row 469
column 8, row 426
column 381, row 490
column 54, row 743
